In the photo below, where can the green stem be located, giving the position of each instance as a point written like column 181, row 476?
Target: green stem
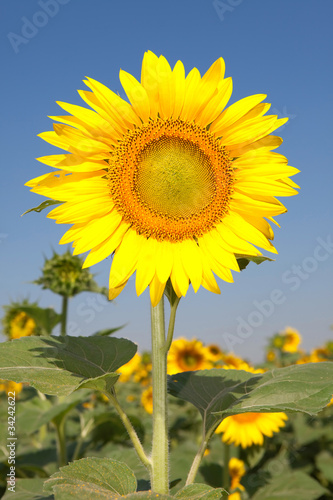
column 64, row 315
column 171, row 327
column 84, row 432
column 131, row 432
column 61, row 442
column 226, row 458
column 197, row 459
column 160, row 448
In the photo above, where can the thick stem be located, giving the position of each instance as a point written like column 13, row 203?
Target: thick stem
column 131, row 432
column 160, row 449
column 64, row 315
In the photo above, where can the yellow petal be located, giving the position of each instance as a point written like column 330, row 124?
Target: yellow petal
column 125, row 258
column 234, row 112
column 191, row 260
column 145, row 270
column 164, row 260
column 137, row 95
column 156, row 290
column 105, row 249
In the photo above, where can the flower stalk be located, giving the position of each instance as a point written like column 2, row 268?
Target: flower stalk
column 160, row 448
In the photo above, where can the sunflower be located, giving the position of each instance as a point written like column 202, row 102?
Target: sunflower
column 22, row 325
column 10, row 386
column 292, row 339
column 236, row 471
column 246, row 429
column 187, row 355
column 129, row 369
column 171, row 182
column 147, row 400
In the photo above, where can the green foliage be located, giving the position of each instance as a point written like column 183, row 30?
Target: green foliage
column 244, row 260
column 98, row 478
column 220, row 393
column 42, row 206
column 60, row 366
column 200, row 492
column 293, row 485
column 28, row 489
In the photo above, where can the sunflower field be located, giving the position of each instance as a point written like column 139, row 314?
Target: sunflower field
column 255, row 455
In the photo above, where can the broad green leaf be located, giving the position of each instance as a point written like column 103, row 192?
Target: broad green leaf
column 59, row 366
column 46, row 319
column 97, row 478
column 198, row 491
column 244, row 260
column 42, row 206
column 291, row 486
column 219, row 393
column 324, row 462
column 28, row 489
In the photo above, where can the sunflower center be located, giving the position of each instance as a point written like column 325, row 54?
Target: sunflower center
column 174, row 177
column 171, row 180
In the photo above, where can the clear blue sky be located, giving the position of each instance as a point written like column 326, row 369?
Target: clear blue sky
column 279, row 48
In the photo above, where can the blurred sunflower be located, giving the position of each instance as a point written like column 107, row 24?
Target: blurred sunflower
column 10, row 386
column 292, row 339
column 236, row 471
column 247, row 429
column 16, row 322
column 187, row 355
column 214, row 353
column 147, row 400
column 172, row 183
column 126, row 371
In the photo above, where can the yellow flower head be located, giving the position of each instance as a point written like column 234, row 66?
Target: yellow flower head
column 246, row 429
column 187, row 355
column 292, row 339
column 232, row 361
column 236, row 472
column 126, row 371
column 147, row 400
column 10, row 386
column 173, row 182
column 214, row 353
column 21, row 325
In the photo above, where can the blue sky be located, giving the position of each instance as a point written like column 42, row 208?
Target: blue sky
column 280, row 48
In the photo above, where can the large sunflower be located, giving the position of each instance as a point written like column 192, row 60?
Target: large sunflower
column 171, row 182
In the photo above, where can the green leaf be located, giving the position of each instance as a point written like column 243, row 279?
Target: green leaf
column 59, row 366
column 108, row 331
column 219, row 393
column 291, row 486
column 200, row 491
column 28, row 489
column 324, row 462
column 97, row 478
column 42, row 206
column 45, row 318
column 244, row 260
